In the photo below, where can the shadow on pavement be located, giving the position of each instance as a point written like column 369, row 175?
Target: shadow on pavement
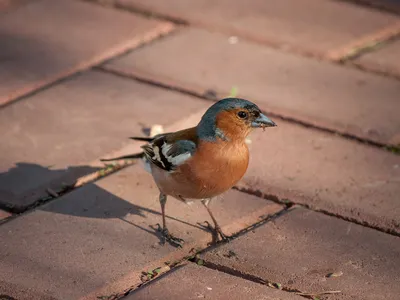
column 26, row 183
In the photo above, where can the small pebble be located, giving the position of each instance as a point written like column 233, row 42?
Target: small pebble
column 233, row 40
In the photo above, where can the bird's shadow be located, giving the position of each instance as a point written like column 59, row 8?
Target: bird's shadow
column 89, row 201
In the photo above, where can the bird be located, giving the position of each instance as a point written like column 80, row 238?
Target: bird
column 202, row 162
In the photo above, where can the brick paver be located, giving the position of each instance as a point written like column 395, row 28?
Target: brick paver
column 389, row 5
column 6, row 5
column 194, row 282
column 385, row 59
column 309, row 26
column 326, row 172
column 54, row 135
column 100, row 234
column 37, row 53
column 316, row 92
column 302, row 247
column 4, row 214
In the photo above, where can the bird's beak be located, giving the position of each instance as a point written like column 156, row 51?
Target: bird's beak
column 262, row 121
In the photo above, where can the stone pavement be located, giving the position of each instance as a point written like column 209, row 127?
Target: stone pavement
column 316, row 216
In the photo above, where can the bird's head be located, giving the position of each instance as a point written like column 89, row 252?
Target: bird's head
column 231, row 118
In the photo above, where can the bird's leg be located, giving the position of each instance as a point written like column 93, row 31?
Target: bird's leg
column 216, row 228
column 164, row 231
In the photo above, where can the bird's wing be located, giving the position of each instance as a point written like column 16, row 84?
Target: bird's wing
column 168, row 151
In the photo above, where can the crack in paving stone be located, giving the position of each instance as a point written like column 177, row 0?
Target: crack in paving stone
column 289, row 203
column 212, row 95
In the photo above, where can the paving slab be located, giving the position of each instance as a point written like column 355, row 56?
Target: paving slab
column 6, row 5
column 308, row 26
column 326, row 172
column 34, row 54
column 392, row 6
column 4, row 214
column 53, row 136
column 385, row 59
column 299, row 249
column 319, row 93
column 101, row 234
column 195, row 282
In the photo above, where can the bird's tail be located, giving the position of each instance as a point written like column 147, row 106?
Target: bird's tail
column 141, row 138
column 131, row 156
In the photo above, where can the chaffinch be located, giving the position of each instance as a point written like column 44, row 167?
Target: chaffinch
column 202, row 162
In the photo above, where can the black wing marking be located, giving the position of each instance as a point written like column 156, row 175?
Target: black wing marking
column 168, row 156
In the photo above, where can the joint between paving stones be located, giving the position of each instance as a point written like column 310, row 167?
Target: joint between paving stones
column 109, row 169
column 371, row 46
column 289, row 204
column 265, row 282
column 379, row 6
column 139, row 11
column 193, row 255
column 160, row 31
column 212, row 95
column 338, row 57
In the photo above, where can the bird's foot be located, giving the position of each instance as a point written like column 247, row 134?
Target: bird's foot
column 168, row 237
column 218, row 233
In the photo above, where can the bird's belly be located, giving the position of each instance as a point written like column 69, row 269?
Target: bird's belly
column 189, row 183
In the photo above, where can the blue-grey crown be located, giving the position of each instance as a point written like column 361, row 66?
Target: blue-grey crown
column 207, row 128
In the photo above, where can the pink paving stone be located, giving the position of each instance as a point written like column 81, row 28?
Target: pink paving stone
column 300, row 248
column 310, row 26
column 326, row 172
column 6, row 5
column 320, row 93
column 53, row 136
column 100, row 235
column 4, row 214
column 195, row 282
column 389, row 5
column 385, row 59
column 70, row 36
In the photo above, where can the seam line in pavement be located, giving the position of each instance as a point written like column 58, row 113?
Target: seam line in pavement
column 380, row 6
column 133, row 281
column 212, row 95
column 265, row 282
column 364, row 44
column 139, row 11
column 120, row 49
column 337, row 56
column 289, row 203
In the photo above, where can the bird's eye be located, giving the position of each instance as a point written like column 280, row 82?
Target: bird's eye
column 242, row 114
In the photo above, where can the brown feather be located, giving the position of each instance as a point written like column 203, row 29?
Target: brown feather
column 185, row 134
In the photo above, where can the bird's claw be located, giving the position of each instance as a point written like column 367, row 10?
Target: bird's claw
column 168, row 237
column 217, row 230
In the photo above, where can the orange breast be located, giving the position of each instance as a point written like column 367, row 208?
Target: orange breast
column 213, row 169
